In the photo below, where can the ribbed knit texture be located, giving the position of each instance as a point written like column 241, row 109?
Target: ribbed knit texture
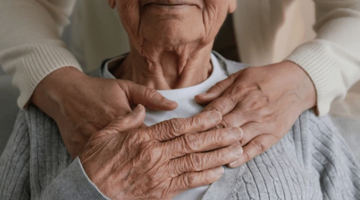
column 34, row 64
column 311, row 57
column 30, row 45
column 311, row 162
column 332, row 61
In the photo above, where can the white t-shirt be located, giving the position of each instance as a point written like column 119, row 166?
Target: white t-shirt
column 187, row 107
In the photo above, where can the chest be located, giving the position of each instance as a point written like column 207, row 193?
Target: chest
column 186, row 108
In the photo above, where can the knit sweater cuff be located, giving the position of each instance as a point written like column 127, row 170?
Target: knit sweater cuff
column 73, row 183
column 315, row 59
column 35, row 64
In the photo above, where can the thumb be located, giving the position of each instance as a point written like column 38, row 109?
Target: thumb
column 133, row 120
column 121, row 124
column 215, row 91
column 150, row 98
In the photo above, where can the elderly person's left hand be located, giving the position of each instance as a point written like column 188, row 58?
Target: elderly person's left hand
column 263, row 101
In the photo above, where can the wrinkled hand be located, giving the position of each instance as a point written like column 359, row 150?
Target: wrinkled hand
column 82, row 105
column 264, row 101
column 160, row 161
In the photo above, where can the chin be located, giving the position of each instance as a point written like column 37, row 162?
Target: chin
column 173, row 33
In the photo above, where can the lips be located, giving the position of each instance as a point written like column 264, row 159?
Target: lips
column 145, row 3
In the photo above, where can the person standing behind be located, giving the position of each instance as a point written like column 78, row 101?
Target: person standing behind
column 47, row 73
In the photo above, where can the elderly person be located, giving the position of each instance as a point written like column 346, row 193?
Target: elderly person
column 43, row 67
column 170, row 42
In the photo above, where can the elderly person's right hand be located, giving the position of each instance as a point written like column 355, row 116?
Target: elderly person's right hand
column 82, row 105
column 160, row 161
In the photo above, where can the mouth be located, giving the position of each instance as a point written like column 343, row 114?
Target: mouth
column 167, row 3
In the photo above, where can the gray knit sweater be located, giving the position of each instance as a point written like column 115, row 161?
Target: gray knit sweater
column 311, row 162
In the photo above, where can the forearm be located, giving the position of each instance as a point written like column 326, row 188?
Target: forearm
column 331, row 60
column 30, row 47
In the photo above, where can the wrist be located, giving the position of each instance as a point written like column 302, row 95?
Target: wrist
column 48, row 94
column 305, row 87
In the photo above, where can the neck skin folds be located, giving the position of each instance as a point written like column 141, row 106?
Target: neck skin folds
column 167, row 68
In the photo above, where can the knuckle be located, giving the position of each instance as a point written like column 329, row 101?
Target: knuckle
column 239, row 89
column 177, row 125
column 234, row 98
column 206, row 179
column 150, row 153
column 139, row 136
column 221, row 155
column 150, row 92
column 220, row 137
column 134, row 138
column 265, row 118
column 247, row 156
column 197, row 122
column 258, row 102
column 270, row 116
column 243, row 142
column 212, row 108
column 225, row 124
column 218, row 86
column 254, row 105
column 195, row 162
column 192, row 142
column 260, row 148
column 189, row 180
column 234, row 77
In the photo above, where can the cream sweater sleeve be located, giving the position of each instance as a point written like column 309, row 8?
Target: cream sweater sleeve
column 30, row 45
column 332, row 60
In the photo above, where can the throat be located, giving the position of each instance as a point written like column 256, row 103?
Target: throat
column 166, row 71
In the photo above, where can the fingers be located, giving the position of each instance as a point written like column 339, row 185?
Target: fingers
column 174, row 128
column 202, row 161
column 201, row 142
column 223, row 104
column 132, row 120
column 254, row 148
column 150, row 98
column 196, row 179
column 236, row 118
column 215, row 91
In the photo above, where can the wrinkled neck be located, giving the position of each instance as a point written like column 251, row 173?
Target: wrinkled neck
column 166, row 68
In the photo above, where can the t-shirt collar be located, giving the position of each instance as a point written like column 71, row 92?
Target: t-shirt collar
column 176, row 94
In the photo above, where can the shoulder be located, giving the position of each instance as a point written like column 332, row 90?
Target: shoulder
column 19, row 138
column 230, row 66
column 15, row 162
column 313, row 132
column 28, row 121
column 322, row 146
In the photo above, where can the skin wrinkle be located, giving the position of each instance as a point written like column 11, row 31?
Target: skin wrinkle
column 125, row 164
column 190, row 54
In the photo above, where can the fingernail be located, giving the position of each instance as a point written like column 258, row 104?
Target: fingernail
column 238, row 150
column 237, row 132
column 219, row 170
column 235, row 163
column 215, row 116
column 138, row 108
column 203, row 94
column 169, row 103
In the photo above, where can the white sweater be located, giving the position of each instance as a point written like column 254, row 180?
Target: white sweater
column 30, row 45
